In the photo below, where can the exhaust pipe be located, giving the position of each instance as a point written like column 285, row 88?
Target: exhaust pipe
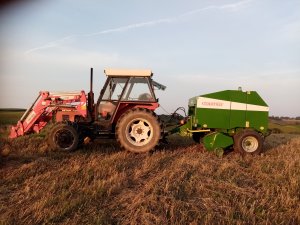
column 91, row 95
column 91, row 81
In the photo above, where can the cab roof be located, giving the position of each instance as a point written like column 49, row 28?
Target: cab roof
column 127, row 73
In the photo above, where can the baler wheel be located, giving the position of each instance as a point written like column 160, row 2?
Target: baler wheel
column 63, row 137
column 248, row 142
column 138, row 130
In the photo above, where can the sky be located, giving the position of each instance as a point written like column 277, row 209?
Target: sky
column 193, row 47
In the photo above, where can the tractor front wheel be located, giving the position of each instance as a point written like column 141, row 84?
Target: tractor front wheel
column 63, row 137
column 248, row 142
column 138, row 130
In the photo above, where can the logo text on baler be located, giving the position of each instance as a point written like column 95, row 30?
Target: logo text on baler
column 212, row 103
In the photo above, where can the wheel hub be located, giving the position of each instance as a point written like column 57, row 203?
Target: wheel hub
column 250, row 144
column 139, row 132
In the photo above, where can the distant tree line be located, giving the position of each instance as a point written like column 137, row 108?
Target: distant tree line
column 12, row 109
column 284, row 118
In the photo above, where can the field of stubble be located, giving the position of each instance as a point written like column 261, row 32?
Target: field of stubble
column 179, row 183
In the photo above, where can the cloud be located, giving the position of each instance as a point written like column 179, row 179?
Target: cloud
column 51, row 44
column 132, row 26
column 233, row 7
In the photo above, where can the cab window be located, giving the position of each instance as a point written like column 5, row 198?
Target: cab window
column 138, row 90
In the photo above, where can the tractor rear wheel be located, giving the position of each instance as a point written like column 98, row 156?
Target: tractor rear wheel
column 248, row 142
column 63, row 137
column 138, row 130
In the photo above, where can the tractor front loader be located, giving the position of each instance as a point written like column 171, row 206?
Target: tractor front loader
column 47, row 106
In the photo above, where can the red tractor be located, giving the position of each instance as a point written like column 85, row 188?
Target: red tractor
column 124, row 110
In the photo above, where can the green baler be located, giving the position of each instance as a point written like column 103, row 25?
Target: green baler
column 228, row 118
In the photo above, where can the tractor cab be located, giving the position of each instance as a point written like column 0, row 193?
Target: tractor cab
column 123, row 90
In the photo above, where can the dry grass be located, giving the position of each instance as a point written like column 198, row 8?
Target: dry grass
column 177, row 184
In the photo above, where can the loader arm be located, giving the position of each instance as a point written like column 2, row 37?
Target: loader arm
column 43, row 109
